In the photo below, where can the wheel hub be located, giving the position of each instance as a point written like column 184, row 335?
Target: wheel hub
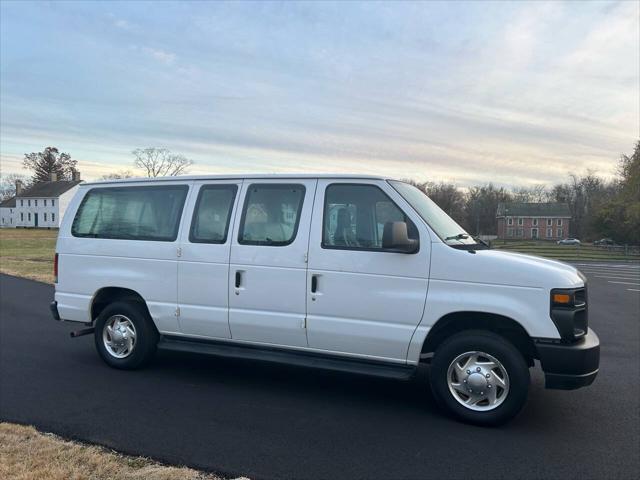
column 119, row 336
column 478, row 381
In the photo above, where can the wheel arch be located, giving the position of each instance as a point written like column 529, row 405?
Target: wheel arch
column 456, row 322
column 107, row 295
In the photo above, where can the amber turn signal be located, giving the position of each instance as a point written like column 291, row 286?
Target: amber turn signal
column 561, row 298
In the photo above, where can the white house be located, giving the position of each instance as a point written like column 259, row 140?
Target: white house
column 40, row 206
column 7, row 209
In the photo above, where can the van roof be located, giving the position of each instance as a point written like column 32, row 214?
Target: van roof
column 238, row 176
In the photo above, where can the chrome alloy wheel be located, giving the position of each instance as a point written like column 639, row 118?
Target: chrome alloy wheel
column 478, row 381
column 119, row 336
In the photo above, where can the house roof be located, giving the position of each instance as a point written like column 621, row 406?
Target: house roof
column 8, row 203
column 534, row 210
column 48, row 189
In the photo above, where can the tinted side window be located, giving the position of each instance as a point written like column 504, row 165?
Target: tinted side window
column 210, row 223
column 355, row 217
column 271, row 214
column 131, row 213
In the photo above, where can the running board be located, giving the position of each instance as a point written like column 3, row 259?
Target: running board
column 287, row 357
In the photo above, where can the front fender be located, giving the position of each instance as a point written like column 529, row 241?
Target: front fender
column 528, row 306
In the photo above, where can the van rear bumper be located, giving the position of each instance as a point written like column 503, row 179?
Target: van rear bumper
column 53, row 306
column 570, row 366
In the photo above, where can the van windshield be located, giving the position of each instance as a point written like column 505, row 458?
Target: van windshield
column 441, row 223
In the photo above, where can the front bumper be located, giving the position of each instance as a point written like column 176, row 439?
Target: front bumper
column 570, row 366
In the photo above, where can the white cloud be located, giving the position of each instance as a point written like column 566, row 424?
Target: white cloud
column 122, row 24
column 160, row 55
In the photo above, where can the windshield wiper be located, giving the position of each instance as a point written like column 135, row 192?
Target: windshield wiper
column 460, row 236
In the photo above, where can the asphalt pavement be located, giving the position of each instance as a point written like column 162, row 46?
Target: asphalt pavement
column 264, row 421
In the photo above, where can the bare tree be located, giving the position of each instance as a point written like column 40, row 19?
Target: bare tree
column 49, row 161
column 535, row 194
column 160, row 162
column 447, row 196
column 8, row 184
column 117, row 175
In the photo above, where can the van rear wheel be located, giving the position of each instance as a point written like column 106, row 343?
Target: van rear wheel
column 125, row 336
column 480, row 377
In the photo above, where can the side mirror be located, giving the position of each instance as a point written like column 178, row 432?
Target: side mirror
column 396, row 238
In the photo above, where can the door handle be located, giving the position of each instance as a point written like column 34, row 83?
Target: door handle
column 314, row 283
column 238, row 278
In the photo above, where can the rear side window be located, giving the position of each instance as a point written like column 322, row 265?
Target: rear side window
column 271, row 214
column 212, row 214
column 131, row 213
column 355, row 216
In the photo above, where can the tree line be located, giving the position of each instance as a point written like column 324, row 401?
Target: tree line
column 599, row 207
column 153, row 161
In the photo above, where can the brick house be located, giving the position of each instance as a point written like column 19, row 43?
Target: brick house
column 527, row 221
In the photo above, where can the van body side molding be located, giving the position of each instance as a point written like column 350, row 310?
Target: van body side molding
column 287, row 357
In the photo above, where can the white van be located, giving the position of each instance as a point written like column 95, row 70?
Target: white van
column 351, row 273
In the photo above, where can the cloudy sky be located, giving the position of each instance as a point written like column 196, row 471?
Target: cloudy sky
column 468, row 92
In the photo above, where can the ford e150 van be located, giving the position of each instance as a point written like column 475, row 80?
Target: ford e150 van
column 351, row 273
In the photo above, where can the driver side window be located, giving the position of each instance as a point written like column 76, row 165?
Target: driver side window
column 355, row 216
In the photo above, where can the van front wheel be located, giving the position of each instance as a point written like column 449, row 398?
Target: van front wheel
column 125, row 336
column 480, row 377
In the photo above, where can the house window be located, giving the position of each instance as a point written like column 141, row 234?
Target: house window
column 510, row 232
column 45, row 202
column 559, row 232
column 36, row 202
column 22, row 217
column 549, row 232
column 53, row 217
column 28, row 203
column 510, row 221
column 559, row 222
column 22, row 203
column 535, row 222
column 549, row 222
column 534, row 233
column 45, row 217
column 52, row 203
column 29, row 216
column 521, row 221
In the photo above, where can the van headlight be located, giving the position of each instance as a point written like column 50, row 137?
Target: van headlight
column 569, row 312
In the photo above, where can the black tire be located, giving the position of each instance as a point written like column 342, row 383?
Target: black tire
column 146, row 341
column 499, row 348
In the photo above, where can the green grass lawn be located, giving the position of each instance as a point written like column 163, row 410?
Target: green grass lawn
column 28, row 253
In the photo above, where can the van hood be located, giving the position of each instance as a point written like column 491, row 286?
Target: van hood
column 502, row 268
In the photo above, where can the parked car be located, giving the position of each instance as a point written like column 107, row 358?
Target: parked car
column 348, row 273
column 569, row 241
column 604, row 242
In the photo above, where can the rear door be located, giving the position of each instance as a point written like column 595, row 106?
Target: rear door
column 267, row 275
column 363, row 300
column 203, row 267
